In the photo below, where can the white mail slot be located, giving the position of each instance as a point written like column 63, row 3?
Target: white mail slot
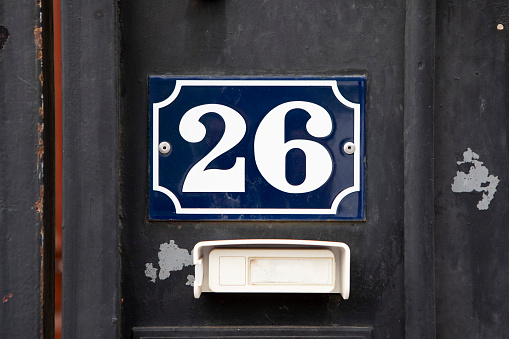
column 271, row 270
column 272, row 266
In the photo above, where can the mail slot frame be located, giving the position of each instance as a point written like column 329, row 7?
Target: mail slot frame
column 340, row 250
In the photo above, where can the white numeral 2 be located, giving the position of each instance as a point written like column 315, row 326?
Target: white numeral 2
column 200, row 179
column 270, row 149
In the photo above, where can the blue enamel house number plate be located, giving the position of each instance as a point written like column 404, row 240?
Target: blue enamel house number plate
column 256, row 149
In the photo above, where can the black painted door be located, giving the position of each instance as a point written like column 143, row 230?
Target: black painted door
column 435, row 157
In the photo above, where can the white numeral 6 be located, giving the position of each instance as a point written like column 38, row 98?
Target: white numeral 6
column 270, row 148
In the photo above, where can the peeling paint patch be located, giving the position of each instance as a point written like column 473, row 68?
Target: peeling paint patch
column 40, row 148
column 171, row 259
column 39, row 204
column 151, row 272
column 477, row 179
column 190, row 280
column 38, row 41
column 4, row 36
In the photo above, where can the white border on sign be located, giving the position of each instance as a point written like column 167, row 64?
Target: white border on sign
column 269, row 83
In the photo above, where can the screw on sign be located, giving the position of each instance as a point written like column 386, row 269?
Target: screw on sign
column 164, row 147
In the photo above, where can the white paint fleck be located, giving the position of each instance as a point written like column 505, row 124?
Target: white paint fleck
column 477, row 179
column 190, row 280
column 171, row 258
column 151, row 272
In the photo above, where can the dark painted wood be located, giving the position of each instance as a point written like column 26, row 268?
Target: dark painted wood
column 267, row 38
column 472, row 105
column 418, row 174
column 26, row 171
column 90, row 172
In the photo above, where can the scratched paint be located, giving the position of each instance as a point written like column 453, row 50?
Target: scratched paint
column 477, row 179
column 171, row 259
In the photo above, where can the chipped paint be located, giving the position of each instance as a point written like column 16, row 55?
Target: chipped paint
column 40, row 203
column 151, row 272
column 477, row 179
column 171, row 259
column 190, row 280
column 38, row 41
column 7, row 297
column 40, row 147
column 38, row 36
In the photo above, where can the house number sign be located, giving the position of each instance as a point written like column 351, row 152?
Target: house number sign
column 256, row 149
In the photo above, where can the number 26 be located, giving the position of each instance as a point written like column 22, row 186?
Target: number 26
column 270, row 149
